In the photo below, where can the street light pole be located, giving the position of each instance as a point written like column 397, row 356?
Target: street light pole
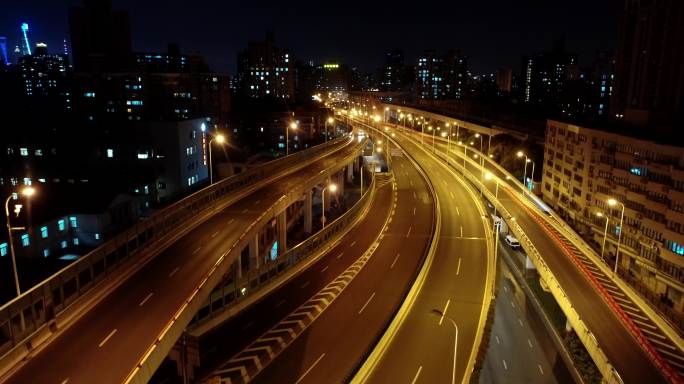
column 442, row 315
column 28, row 191
column 333, row 188
column 220, row 139
column 605, row 234
column 613, row 202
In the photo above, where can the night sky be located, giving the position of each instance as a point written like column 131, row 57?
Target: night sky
column 493, row 34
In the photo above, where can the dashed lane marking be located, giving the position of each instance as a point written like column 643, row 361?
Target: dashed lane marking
column 367, row 302
column 458, row 268
column 145, row 299
column 174, row 272
column 310, row 368
column 107, row 338
column 304, row 285
column 196, row 250
column 395, row 260
column 415, row 378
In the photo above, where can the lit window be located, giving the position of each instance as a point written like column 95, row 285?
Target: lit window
column 73, row 222
column 97, row 236
column 60, row 225
column 89, row 94
column 110, row 153
column 46, row 252
column 25, row 240
column 63, row 244
column 3, row 249
column 44, row 232
column 75, row 240
column 27, row 181
column 23, row 151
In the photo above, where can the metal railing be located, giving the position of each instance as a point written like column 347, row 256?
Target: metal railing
column 158, row 350
column 34, row 309
column 252, row 281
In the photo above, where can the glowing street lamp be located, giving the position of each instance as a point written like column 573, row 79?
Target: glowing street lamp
column 219, row 138
column 605, row 234
column 26, row 192
column 293, row 126
column 612, row 202
column 330, row 120
column 332, row 187
column 521, row 154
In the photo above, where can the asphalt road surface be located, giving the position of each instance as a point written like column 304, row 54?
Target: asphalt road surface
column 106, row 343
column 422, row 350
column 617, row 342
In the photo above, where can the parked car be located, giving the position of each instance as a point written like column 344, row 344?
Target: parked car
column 512, row 241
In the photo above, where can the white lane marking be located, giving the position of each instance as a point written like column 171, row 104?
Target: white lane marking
column 505, row 288
column 409, row 231
column 520, row 321
column 353, row 243
column 446, row 307
column 411, row 181
column 414, row 195
column 281, row 302
column 458, row 212
column 452, row 195
column 244, row 210
column 367, row 302
column 310, row 368
column 145, row 299
column 304, row 285
column 196, row 250
column 247, row 325
column 107, row 338
column 458, row 268
column 324, row 269
column 340, row 255
column 505, row 365
column 65, row 381
column 512, row 304
column 461, row 231
column 498, row 341
column 415, row 378
column 257, row 202
column 414, row 211
column 529, row 343
column 395, row 260
column 214, row 234
column 174, row 272
column 230, row 221
column 541, row 371
column 444, row 181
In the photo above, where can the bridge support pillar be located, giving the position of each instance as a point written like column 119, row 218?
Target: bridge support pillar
column 308, row 210
column 254, row 253
column 350, row 172
column 282, row 232
column 340, row 184
column 185, row 353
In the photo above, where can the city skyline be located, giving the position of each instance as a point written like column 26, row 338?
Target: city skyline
column 490, row 39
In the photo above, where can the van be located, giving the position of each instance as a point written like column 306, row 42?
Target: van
column 512, row 241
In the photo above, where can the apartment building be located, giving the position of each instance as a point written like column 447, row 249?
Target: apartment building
column 584, row 168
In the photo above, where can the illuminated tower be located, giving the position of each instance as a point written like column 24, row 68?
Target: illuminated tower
column 3, row 50
column 27, row 45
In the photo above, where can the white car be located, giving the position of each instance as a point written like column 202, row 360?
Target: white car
column 512, row 241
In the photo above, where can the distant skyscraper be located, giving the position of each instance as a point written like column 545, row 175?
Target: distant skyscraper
column 441, row 76
column 544, row 76
column 266, row 70
column 26, row 47
column 66, row 50
column 3, row 51
column 392, row 71
column 100, row 37
column 649, row 64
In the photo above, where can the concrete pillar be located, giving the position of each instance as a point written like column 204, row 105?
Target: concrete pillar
column 185, row 353
column 529, row 264
column 568, row 326
column 308, row 211
column 282, row 232
column 238, row 266
column 350, row 173
column 254, row 259
column 357, row 163
column 326, row 198
column 340, row 185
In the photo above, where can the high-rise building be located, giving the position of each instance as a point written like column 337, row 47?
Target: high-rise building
column 544, row 76
column 4, row 57
column 100, row 37
column 442, row 76
column 26, row 44
column 265, row 70
column 429, row 82
column 584, row 168
column 45, row 80
column 649, row 64
column 504, row 80
column 394, row 75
